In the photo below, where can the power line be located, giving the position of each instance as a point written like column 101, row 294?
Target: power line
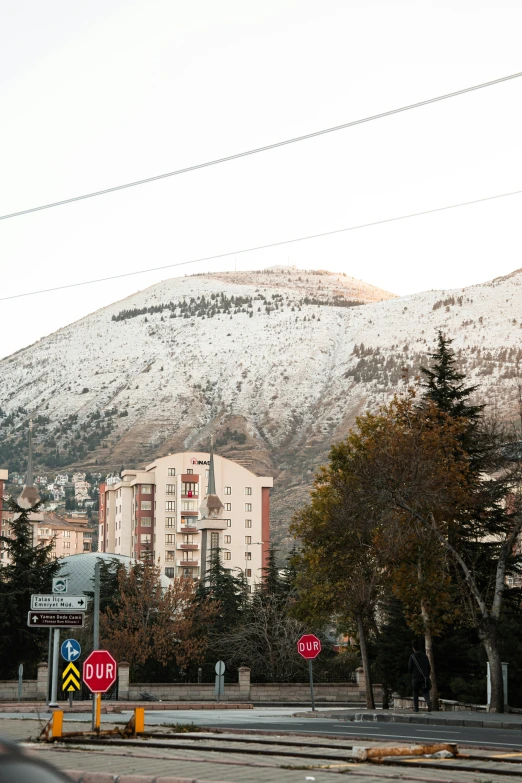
column 257, row 150
column 265, row 247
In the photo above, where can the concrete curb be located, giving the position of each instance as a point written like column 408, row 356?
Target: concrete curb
column 432, row 720
column 423, row 719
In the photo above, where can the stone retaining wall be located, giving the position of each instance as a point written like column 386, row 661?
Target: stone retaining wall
column 9, row 690
column 258, row 692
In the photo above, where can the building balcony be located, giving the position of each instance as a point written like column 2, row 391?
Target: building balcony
column 190, row 496
column 187, row 563
column 189, row 513
column 190, row 529
column 188, row 546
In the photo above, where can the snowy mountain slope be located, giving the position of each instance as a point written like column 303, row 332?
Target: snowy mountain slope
column 273, row 363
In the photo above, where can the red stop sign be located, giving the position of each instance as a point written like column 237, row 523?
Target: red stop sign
column 309, row 646
column 99, row 671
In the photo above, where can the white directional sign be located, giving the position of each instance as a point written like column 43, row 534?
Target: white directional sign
column 59, row 602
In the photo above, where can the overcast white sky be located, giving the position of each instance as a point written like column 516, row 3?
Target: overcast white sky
column 104, row 92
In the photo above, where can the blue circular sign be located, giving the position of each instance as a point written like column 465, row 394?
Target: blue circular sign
column 71, row 650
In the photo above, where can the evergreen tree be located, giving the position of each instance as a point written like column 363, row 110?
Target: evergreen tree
column 445, row 386
column 273, row 585
column 481, row 532
column 221, row 587
column 30, row 571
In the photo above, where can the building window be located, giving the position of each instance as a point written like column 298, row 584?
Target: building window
column 228, row 506
column 188, row 505
column 228, row 490
column 170, row 521
column 229, row 522
column 66, row 533
column 187, row 556
column 171, row 471
column 248, row 572
column 190, row 471
column 248, row 523
column 145, row 538
column 170, row 505
column 66, row 544
column 146, row 505
column 207, row 473
column 228, row 539
column 146, row 489
column 170, row 489
column 248, row 490
column 190, row 489
column 227, row 555
column 188, row 539
column 169, row 572
column 146, row 521
column 170, row 556
column 248, row 506
column 248, row 539
column 248, row 555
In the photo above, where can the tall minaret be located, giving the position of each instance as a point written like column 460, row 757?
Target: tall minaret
column 211, row 524
column 29, row 495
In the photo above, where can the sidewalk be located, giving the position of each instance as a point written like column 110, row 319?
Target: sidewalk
column 117, row 707
column 475, row 720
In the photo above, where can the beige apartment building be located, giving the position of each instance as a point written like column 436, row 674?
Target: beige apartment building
column 156, row 511
column 68, row 536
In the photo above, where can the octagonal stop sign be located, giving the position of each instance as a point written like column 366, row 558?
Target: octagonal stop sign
column 309, row 646
column 99, row 671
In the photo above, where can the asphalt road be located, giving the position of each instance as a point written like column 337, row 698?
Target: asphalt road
column 281, row 719
column 271, row 719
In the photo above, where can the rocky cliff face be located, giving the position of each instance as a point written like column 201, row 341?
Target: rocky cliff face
column 277, row 364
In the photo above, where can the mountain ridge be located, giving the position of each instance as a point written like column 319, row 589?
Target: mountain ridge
column 276, row 364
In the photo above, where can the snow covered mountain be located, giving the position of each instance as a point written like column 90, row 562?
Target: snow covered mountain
column 277, row 364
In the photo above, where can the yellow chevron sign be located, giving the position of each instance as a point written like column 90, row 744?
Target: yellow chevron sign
column 71, row 678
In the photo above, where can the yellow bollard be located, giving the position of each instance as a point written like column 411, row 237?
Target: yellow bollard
column 97, row 696
column 139, row 720
column 57, row 726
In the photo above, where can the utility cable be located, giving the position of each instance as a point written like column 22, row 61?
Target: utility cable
column 264, row 247
column 267, row 147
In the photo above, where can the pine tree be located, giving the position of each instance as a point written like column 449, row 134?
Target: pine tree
column 272, row 585
column 30, row 571
column 445, row 386
column 222, row 587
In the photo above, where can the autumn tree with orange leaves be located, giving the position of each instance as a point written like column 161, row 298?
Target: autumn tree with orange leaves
column 151, row 626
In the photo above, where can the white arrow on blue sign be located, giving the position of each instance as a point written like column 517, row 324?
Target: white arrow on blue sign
column 71, row 650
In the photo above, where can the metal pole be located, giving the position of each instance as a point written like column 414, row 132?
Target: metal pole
column 54, row 684
column 20, row 681
column 49, row 662
column 96, row 636
column 310, row 672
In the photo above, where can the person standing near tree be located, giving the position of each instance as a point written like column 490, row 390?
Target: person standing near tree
column 420, row 670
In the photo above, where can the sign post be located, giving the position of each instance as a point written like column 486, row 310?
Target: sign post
column 99, row 674
column 20, row 681
column 309, row 647
column 220, row 679
column 70, row 651
column 54, row 681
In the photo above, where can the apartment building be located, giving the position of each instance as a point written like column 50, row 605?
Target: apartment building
column 155, row 512
column 68, row 537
